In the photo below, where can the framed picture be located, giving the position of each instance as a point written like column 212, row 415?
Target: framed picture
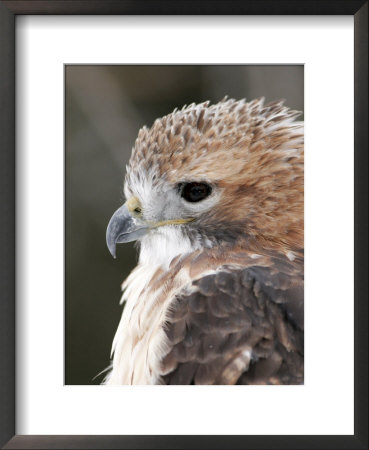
column 78, row 82
column 131, row 95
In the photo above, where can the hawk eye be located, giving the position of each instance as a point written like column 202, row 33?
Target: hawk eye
column 194, row 192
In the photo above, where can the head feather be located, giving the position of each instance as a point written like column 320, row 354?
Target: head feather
column 253, row 152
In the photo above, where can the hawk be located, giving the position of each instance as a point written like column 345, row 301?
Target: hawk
column 215, row 200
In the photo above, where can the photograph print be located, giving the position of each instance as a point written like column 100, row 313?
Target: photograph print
column 184, row 247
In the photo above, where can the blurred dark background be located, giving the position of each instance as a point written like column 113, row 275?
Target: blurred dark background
column 105, row 106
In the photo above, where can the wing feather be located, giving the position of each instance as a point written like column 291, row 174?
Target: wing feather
column 238, row 327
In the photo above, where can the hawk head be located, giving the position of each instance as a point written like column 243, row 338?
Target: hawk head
column 215, row 175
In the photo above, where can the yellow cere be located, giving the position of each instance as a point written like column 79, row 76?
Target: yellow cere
column 134, row 207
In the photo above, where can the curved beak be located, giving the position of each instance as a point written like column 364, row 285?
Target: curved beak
column 123, row 227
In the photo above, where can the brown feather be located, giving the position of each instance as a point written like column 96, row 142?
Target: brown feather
column 247, row 148
column 231, row 312
column 242, row 333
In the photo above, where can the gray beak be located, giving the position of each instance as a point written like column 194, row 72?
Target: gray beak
column 123, row 228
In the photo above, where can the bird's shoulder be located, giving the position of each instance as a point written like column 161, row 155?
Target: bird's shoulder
column 238, row 325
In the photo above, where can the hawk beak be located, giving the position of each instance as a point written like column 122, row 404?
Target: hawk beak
column 123, row 228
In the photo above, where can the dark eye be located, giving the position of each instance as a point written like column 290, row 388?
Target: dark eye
column 194, row 192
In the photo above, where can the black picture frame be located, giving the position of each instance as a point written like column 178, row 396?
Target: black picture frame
column 8, row 12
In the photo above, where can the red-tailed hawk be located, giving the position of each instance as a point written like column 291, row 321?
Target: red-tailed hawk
column 215, row 199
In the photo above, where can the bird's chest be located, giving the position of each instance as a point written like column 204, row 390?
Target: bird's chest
column 140, row 342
